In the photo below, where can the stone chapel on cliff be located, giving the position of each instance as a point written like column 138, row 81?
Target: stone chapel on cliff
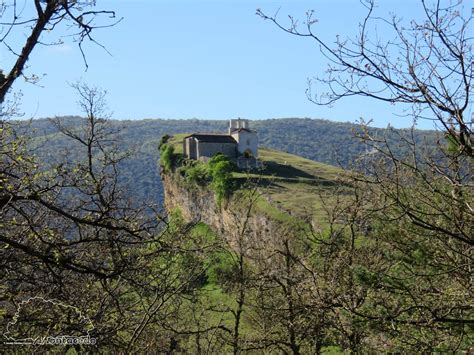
column 240, row 143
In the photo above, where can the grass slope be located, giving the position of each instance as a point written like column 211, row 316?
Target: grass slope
column 319, row 140
column 292, row 186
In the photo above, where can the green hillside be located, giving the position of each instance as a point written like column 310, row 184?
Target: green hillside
column 294, row 184
column 315, row 139
column 291, row 186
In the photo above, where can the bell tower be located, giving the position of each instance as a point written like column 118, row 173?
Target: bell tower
column 236, row 124
column 247, row 140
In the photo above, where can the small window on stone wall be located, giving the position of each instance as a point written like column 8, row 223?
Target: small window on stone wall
column 248, row 141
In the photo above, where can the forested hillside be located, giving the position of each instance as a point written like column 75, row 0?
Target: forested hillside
column 301, row 257
column 320, row 140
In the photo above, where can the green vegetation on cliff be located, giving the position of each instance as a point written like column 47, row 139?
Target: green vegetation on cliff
column 315, row 139
column 291, row 186
column 216, row 173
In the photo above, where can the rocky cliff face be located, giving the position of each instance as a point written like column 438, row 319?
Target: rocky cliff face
column 235, row 218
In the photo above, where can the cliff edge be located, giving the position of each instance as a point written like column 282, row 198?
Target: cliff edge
column 285, row 193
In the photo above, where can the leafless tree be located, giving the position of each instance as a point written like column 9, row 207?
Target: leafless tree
column 70, row 233
column 413, row 209
column 427, row 66
column 37, row 20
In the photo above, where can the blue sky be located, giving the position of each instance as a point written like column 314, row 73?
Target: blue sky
column 203, row 59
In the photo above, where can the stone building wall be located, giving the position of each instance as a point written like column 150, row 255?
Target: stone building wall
column 208, row 150
column 189, row 148
column 246, row 141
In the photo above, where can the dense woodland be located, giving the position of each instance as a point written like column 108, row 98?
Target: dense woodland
column 321, row 140
column 87, row 254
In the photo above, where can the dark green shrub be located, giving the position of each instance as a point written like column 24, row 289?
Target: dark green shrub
column 196, row 174
column 221, row 269
column 167, row 157
column 220, row 170
column 219, row 157
column 164, row 140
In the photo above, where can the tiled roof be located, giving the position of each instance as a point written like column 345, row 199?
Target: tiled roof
column 213, row 138
column 241, row 129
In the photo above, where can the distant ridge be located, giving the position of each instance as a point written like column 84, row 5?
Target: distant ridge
column 316, row 139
